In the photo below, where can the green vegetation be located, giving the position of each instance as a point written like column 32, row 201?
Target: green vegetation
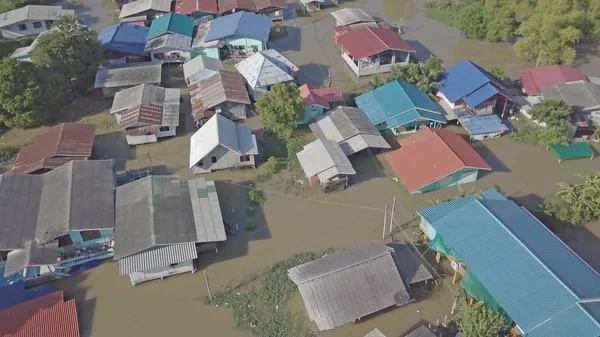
column 553, row 113
column 272, row 165
column 7, row 47
column 498, row 73
column 293, row 146
column 250, row 226
column 250, row 211
column 260, row 303
column 255, row 196
column 280, row 109
column 477, row 320
column 376, row 81
column 256, row 177
column 549, row 30
column 424, row 75
column 579, row 202
column 8, row 154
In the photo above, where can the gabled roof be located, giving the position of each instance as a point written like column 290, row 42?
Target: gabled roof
column 264, row 4
column 124, row 37
column 482, row 125
column 187, row 7
column 342, row 287
column 224, row 86
column 265, row 68
column 69, row 141
column 25, row 51
column 368, row 41
column 434, row 213
column 492, row 236
column 201, row 67
column 162, row 210
column 446, row 153
column 76, row 196
column 243, row 24
column 468, row 81
column 320, row 96
column 351, row 16
column 30, row 255
column 351, row 128
column 33, row 13
column 141, row 6
column 422, row 331
column 44, row 316
column 579, row 95
column 535, row 79
column 199, row 40
column 148, row 105
column 169, row 42
column 129, row 74
column 399, row 98
column 241, row 5
column 325, row 159
column 221, row 131
column 171, row 23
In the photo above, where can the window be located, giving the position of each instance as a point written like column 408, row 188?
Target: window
column 200, row 164
column 65, row 240
column 384, row 123
column 164, row 128
column 37, row 25
column 90, row 235
column 214, row 159
column 244, row 158
column 22, row 27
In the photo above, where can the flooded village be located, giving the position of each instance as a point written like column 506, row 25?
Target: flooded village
column 163, row 214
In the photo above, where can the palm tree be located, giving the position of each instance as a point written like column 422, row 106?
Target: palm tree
column 376, row 82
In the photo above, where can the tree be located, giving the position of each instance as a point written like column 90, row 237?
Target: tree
column 498, row 73
column 29, row 95
column 551, row 111
column 72, row 51
column 272, row 165
column 579, row 202
column 477, row 320
column 280, row 109
column 423, row 75
column 472, row 20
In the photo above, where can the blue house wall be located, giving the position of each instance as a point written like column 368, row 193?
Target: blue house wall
column 202, row 17
column 212, row 52
column 311, row 113
column 244, row 41
column 456, row 178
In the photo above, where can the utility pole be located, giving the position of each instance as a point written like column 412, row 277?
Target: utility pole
column 392, row 217
column 384, row 222
column 538, row 59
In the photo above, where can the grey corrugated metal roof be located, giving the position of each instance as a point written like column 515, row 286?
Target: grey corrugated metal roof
column 422, row 331
column 128, row 74
column 350, row 16
column 200, row 67
column 140, row 6
column 580, row 95
column 147, row 94
column 351, row 128
column 163, row 210
column 200, row 37
column 30, row 255
column 346, row 286
column 265, row 68
column 161, row 256
column 76, row 196
column 34, row 13
column 169, row 42
column 325, row 159
column 411, row 269
column 375, row 333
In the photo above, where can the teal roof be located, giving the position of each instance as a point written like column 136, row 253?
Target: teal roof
column 397, row 98
column 539, row 281
column 171, row 23
column 434, row 213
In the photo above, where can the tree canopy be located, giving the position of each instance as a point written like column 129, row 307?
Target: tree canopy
column 498, row 73
column 579, row 202
column 477, row 320
column 424, row 75
column 29, row 95
column 280, row 109
column 72, row 51
column 553, row 113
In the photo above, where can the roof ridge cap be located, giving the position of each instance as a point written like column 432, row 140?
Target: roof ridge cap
column 378, row 38
column 151, row 206
column 448, row 145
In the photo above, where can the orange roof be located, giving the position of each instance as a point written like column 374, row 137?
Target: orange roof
column 320, row 96
column 430, row 155
column 45, row 316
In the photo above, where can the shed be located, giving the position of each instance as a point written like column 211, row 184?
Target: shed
column 171, row 23
column 24, row 53
column 432, row 158
column 350, row 128
column 170, row 48
column 123, row 40
column 324, row 161
column 422, row 331
column 114, row 78
column 351, row 17
column 223, row 93
column 264, row 69
column 319, row 100
column 145, row 7
column 535, row 79
column 200, row 67
column 401, row 107
column 54, row 147
column 573, row 151
column 340, row 288
column 482, row 127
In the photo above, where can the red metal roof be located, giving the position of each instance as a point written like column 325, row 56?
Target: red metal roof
column 230, row 5
column 64, row 140
column 263, row 4
column 320, row 96
column 145, row 114
column 430, row 155
column 535, row 79
column 46, row 316
column 187, row 7
column 367, row 41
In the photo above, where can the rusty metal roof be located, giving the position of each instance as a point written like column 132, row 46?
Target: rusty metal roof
column 209, row 92
column 142, row 114
column 64, row 140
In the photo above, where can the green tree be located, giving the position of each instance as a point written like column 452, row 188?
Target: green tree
column 293, row 146
column 579, row 202
column 498, row 73
column 272, row 165
column 472, row 20
column 477, row 320
column 424, row 75
column 29, row 95
column 280, row 109
column 552, row 111
column 72, row 51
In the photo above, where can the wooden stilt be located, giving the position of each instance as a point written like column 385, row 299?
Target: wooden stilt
column 207, row 286
column 454, row 277
column 438, row 257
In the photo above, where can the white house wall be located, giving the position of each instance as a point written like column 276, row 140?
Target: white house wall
column 172, row 132
column 13, row 32
column 141, row 139
column 225, row 159
column 162, row 272
column 184, row 56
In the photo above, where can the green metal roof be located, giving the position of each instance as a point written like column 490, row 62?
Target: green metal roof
column 171, row 23
column 573, row 151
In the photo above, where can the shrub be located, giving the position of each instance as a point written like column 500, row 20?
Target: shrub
column 250, row 226
column 272, row 165
column 255, row 196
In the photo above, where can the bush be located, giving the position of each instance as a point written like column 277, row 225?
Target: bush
column 498, row 73
column 293, row 146
column 250, row 226
column 255, row 196
column 8, row 154
column 250, row 211
column 272, row 165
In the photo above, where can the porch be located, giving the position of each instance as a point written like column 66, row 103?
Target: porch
column 382, row 62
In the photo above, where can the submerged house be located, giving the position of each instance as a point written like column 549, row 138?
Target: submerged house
column 490, row 239
column 55, row 147
column 200, row 67
column 400, row 107
column 535, row 79
column 24, row 53
column 583, row 97
column 144, row 9
column 271, row 8
column 431, row 159
column 223, row 93
column 483, row 127
column 468, row 87
column 220, row 144
column 264, row 69
column 160, row 220
column 374, row 50
column 201, row 47
column 324, row 162
column 58, row 220
column 199, row 10
column 319, row 100
column 237, row 35
column 30, row 20
column 316, row 5
column 123, row 43
column 170, row 38
column 353, row 18
column 114, row 78
column 350, row 128
column 147, row 112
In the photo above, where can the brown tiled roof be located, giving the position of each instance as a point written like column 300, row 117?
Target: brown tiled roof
column 65, row 140
column 214, row 90
column 229, row 5
column 46, row 316
column 145, row 113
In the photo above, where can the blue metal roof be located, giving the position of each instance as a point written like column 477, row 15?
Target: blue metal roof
column 434, row 213
column 529, row 271
column 481, row 125
column 124, row 37
column 572, row 322
column 465, row 78
column 244, row 24
column 395, row 98
column 16, row 293
column 484, row 93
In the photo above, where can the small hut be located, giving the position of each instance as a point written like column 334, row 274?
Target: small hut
column 573, row 151
column 324, row 161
